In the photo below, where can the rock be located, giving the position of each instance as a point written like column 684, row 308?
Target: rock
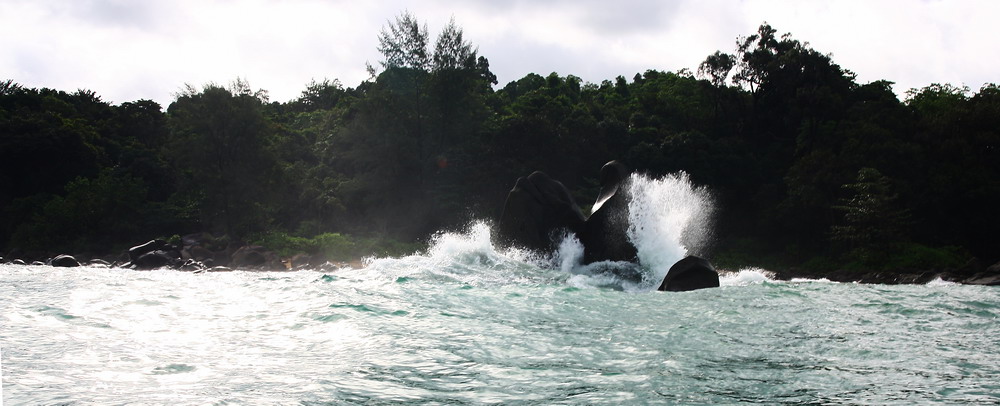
column 538, row 208
column 249, row 256
column 155, row 259
column 192, row 266
column 99, row 263
column 689, row 274
column 220, row 269
column 137, row 251
column 64, row 261
column 199, row 253
column 605, row 236
column 37, row 263
column 18, row 262
column 990, row 277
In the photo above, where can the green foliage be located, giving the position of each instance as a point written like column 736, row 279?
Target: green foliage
column 335, row 246
column 94, row 214
column 871, row 221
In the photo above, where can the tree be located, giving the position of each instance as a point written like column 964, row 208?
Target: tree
column 218, row 140
column 404, row 43
column 716, row 68
column 872, row 222
column 451, row 51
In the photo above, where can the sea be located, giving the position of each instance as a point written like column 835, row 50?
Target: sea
column 467, row 322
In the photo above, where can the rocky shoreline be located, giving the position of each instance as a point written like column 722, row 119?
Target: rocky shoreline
column 196, row 258
column 972, row 273
column 199, row 252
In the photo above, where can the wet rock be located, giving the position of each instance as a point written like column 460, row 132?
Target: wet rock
column 192, row 266
column 139, row 250
column 689, row 274
column 155, row 259
column 605, row 236
column 99, row 263
column 18, row 262
column 537, row 208
column 220, row 269
column 64, row 261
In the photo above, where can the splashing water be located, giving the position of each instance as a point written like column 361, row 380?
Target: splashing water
column 669, row 218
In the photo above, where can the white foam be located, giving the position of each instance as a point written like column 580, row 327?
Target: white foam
column 744, row 277
column 669, row 218
column 941, row 282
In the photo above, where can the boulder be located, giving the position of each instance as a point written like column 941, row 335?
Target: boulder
column 64, row 261
column 155, row 259
column 249, row 256
column 192, row 266
column 605, row 235
column 689, row 274
column 536, row 210
column 18, row 262
column 137, row 251
column 99, row 263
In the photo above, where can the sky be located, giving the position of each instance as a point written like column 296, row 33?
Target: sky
column 126, row 50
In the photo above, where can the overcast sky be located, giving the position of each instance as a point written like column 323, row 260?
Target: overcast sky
column 148, row 49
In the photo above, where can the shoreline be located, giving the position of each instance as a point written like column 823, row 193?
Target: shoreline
column 971, row 274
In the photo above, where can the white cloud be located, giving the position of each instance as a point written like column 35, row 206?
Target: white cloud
column 126, row 50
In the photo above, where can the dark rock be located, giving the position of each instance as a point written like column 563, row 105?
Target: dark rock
column 64, row 261
column 192, row 266
column 605, row 236
column 300, row 260
column 249, row 256
column 137, row 251
column 537, row 209
column 155, row 259
column 200, row 253
column 37, row 263
column 99, row 263
column 689, row 274
column 18, row 262
column 220, row 269
column 990, row 277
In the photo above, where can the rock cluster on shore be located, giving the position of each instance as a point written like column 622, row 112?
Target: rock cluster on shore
column 199, row 252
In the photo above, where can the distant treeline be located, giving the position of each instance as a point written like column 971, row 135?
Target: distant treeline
column 805, row 163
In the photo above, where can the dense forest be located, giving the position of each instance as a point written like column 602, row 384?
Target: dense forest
column 806, row 165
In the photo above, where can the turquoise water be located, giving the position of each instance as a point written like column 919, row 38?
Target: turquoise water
column 464, row 324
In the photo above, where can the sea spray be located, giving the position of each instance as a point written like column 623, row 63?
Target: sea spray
column 467, row 257
column 669, row 218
